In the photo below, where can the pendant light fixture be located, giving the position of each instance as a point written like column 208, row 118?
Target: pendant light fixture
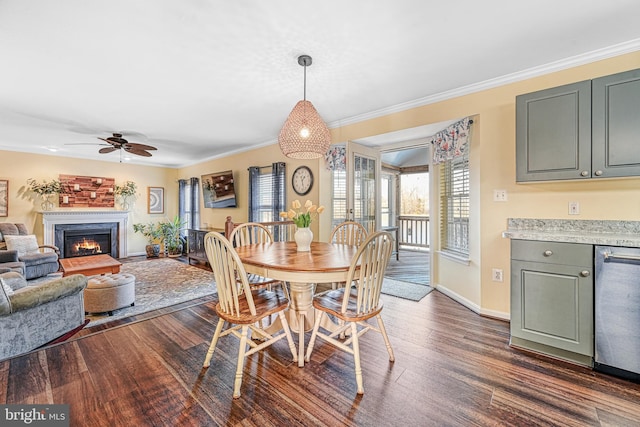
column 304, row 134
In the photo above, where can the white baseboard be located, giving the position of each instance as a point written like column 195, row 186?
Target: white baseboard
column 471, row 305
column 136, row 253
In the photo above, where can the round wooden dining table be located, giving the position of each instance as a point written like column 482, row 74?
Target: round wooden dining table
column 324, row 263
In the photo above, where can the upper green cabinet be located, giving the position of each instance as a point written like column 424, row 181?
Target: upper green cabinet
column 581, row 130
column 615, row 120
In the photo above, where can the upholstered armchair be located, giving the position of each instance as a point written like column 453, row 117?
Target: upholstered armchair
column 33, row 315
column 37, row 260
column 9, row 262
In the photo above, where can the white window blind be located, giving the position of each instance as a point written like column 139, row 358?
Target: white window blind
column 454, row 206
column 339, row 197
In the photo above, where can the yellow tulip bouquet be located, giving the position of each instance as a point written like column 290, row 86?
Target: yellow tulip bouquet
column 302, row 219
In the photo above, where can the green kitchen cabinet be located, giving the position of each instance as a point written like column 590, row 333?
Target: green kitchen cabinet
column 552, row 299
column 581, row 130
column 616, row 125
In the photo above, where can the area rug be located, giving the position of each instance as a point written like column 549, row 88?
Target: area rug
column 410, row 291
column 161, row 283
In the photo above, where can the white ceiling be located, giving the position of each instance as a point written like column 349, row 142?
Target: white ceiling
column 198, row 78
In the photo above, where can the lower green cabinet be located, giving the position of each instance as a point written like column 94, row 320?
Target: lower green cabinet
column 552, row 299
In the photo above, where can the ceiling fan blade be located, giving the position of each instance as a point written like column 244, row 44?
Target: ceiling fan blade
column 137, row 152
column 137, row 146
column 107, row 141
column 107, row 150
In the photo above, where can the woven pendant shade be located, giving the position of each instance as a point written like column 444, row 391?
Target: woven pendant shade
column 304, row 135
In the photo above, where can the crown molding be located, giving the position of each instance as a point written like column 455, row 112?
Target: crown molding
column 563, row 64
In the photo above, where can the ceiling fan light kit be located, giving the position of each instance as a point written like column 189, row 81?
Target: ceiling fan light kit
column 304, row 134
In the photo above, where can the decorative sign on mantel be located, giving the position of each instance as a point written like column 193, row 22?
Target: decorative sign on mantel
column 86, row 192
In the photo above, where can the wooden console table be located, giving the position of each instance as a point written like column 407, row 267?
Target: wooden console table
column 195, row 238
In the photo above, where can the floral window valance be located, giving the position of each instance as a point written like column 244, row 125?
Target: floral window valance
column 336, row 158
column 451, row 142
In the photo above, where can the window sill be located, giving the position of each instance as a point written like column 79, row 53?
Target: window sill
column 460, row 259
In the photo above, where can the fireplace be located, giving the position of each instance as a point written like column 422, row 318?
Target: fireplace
column 55, row 223
column 75, row 240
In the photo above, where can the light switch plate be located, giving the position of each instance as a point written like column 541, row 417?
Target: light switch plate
column 499, row 195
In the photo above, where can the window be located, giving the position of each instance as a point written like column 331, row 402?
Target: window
column 339, row 197
column 386, row 199
column 267, row 194
column 454, row 206
column 188, row 203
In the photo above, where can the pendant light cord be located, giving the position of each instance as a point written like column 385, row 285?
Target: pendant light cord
column 305, row 82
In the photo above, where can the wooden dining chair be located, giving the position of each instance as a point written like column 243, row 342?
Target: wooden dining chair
column 347, row 233
column 241, row 306
column 249, row 233
column 353, row 306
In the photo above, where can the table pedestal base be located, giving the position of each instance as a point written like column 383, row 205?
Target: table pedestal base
column 301, row 312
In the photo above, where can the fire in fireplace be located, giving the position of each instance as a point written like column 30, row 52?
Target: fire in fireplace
column 76, row 240
column 84, row 246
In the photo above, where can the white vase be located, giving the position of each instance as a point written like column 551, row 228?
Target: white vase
column 303, row 237
column 47, row 204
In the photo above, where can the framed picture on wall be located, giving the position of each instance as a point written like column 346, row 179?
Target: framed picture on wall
column 4, row 197
column 156, row 200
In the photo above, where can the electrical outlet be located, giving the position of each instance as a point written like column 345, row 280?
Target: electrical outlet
column 574, row 208
column 496, row 275
column 499, row 195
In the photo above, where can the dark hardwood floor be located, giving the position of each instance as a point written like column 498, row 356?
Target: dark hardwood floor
column 452, row 368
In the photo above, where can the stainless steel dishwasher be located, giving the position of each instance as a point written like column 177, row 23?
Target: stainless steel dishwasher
column 617, row 311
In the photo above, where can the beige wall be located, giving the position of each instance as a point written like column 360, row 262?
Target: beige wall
column 19, row 167
column 492, row 165
column 239, row 164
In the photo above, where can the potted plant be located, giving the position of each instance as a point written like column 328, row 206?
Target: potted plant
column 45, row 189
column 173, row 240
column 125, row 191
column 153, row 233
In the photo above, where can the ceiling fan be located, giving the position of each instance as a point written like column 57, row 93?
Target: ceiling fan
column 117, row 142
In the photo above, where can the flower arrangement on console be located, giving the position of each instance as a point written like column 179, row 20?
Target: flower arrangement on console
column 302, row 219
column 45, row 188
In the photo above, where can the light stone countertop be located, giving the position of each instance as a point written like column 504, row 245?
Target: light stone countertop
column 595, row 232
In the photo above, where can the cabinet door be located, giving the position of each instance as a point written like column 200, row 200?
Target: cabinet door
column 552, row 304
column 191, row 242
column 553, row 133
column 616, row 125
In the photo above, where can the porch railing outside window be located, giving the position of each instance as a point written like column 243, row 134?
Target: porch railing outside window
column 413, row 231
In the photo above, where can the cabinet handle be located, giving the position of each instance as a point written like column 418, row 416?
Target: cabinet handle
column 585, row 273
column 598, row 173
column 547, row 253
column 584, row 173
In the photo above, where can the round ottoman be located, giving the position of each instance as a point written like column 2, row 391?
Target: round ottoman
column 109, row 292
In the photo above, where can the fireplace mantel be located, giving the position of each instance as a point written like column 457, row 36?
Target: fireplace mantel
column 51, row 218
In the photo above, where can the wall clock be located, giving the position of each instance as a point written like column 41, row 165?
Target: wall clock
column 302, row 180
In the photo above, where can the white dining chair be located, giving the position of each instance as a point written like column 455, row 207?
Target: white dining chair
column 241, row 306
column 248, row 233
column 353, row 306
column 347, row 233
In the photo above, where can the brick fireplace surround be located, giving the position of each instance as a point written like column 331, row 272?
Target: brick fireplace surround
column 52, row 218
